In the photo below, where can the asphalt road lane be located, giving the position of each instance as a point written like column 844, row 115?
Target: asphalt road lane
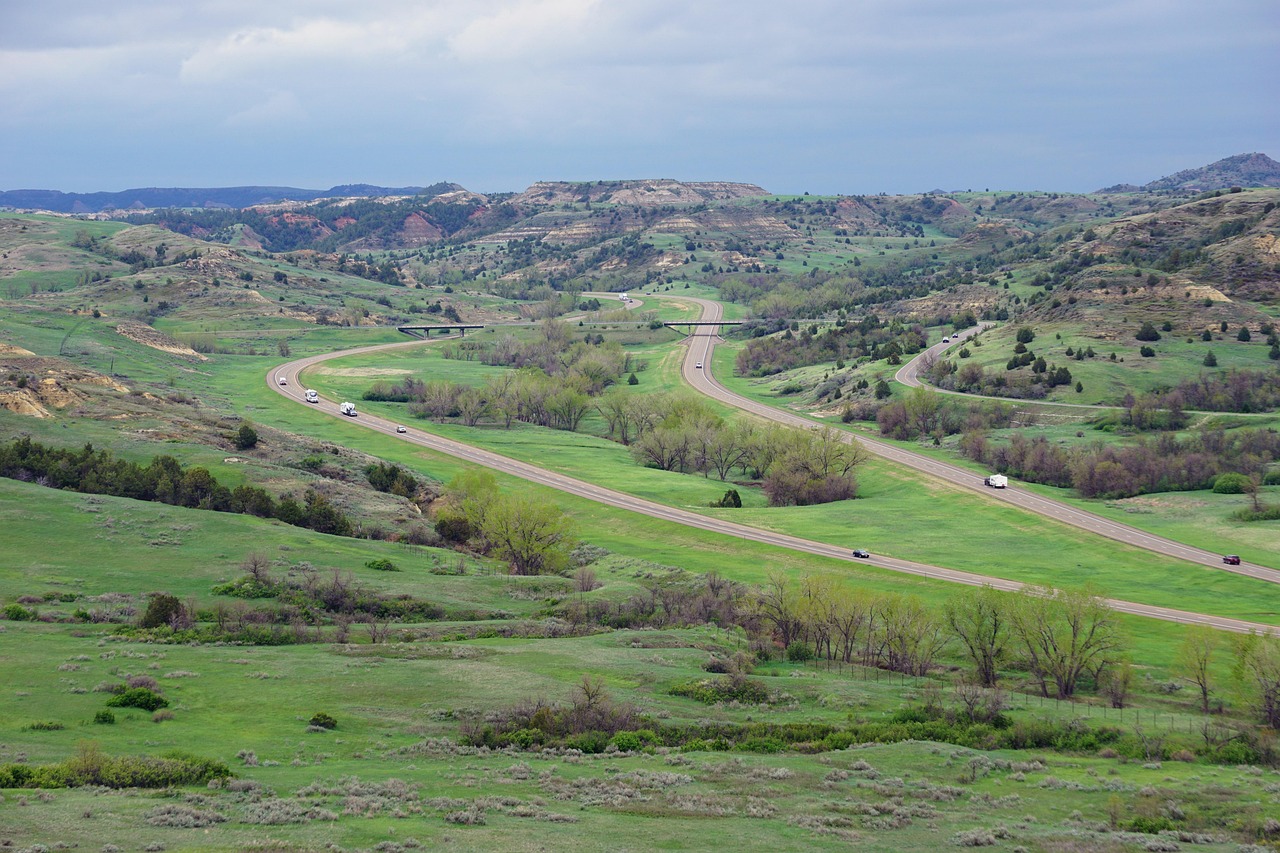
column 294, row 391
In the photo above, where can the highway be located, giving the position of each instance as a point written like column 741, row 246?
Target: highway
column 702, row 347
column 293, row 390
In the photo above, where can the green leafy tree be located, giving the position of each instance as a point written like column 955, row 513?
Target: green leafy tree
column 163, row 610
column 1147, row 333
column 533, row 536
column 246, row 437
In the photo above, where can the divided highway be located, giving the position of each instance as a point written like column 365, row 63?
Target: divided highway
column 702, row 347
column 293, row 389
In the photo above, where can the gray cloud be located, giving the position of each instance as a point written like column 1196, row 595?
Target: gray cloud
column 825, row 96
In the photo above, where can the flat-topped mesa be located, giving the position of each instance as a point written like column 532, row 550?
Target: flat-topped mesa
column 645, row 193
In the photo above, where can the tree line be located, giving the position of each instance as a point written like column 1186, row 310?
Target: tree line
column 163, row 480
column 1101, row 470
column 1161, row 463
column 1063, row 642
column 670, row 431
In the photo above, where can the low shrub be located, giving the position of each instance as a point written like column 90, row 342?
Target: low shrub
column 734, row 688
column 138, row 697
column 634, row 741
column 799, row 652
column 91, row 767
column 1230, row 483
column 322, row 720
column 18, row 613
column 105, row 718
column 46, row 726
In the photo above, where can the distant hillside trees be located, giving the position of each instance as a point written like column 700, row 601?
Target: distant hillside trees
column 1229, row 391
column 1167, row 463
column 868, row 338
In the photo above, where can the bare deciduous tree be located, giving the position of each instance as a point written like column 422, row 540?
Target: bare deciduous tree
column 1063, row 633
column 979, row 618
column 1195, row 657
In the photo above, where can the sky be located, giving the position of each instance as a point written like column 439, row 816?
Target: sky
column 821, row 96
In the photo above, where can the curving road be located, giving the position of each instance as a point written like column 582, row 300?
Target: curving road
column 293, row 390
column 702, row 347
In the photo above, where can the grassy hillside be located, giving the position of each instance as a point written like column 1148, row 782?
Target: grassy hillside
column 147, row 341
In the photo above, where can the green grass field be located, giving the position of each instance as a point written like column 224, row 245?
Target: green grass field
column 392, row 775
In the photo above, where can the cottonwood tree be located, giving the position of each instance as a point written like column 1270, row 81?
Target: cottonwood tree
column 1258, row 665
column 1195, row 657
column 914, row 635
column 472, row 406
column 533, row 536
column 979, row 618
column 778, row 606
column 1063, row 634
column 615, row 407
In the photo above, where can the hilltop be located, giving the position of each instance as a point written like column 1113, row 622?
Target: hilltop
column 1241, row 170
column 208, row 197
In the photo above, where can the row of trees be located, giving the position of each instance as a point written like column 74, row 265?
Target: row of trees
column 678, row 432
column 164, row 480
column 594, row 361
column 866, row 338
column 1229, row 391
column 669, row 431
column 1012, row 382
column 1064, row 639
column 1100, row 470
column 922, row 412
column 1059, row 637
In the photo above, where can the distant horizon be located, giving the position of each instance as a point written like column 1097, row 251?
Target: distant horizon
column 1136, row 181
column 823, row 96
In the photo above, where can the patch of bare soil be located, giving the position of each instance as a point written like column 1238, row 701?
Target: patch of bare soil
column 32, row 385
column 147, row 336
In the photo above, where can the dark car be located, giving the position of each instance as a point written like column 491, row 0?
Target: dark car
column 1231, row 560
column 858, row 552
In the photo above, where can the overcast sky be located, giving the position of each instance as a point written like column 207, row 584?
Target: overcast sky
column 827, row 96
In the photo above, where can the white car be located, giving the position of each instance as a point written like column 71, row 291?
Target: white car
column 698, row 365
column 401, row 429
column 283, row 381
column 946, row 340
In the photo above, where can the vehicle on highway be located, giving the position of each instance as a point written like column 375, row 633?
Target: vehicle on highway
column 698, row 365
column 996, row 481
column 311, row 396
column 348, row 409
column 401, row 429
column 1231, row 560
column 946, row 340
column 861, row 554
column 283, row 381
